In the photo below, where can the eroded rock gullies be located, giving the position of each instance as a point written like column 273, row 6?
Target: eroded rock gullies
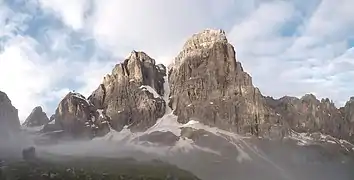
column 131, row 94
column 36, row 118
column 208, row 84
column 9, row 121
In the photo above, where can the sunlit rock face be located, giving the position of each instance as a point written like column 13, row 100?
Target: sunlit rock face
column 36, row 118
column 77, row 117
column 208, row 84
column 9, row 121
column 132, row 94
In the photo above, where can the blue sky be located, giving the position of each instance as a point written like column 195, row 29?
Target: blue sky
column 49, row 47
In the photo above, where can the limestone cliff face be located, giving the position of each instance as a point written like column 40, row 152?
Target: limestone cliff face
column 208, row 84
column 131, row 94
column 36, row 118
column 308, row 114
column 9, row 121
column 78, row 118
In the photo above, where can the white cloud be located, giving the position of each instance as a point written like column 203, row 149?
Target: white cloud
column 308, row 60
column 71, row 12
column 22, row 75
column 157, row 27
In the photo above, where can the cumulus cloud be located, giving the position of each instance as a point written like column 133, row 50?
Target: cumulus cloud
column 20, row 76
column 307, row 60
column 289, row 48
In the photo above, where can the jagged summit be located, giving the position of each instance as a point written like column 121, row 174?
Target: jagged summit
column 36, row 118
column 351, row 99
column 131, row 95
column 199, row 43
column 205, row 39
column 140, row 56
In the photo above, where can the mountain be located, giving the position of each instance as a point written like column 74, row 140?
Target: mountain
column 78, row 118
column 131, row 94
column 204, row 115
column 308, row 114
column 208, row 84
column 36, row 118
column 205, row 83
column 9, row 121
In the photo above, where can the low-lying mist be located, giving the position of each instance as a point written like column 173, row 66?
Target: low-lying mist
column 269, row 160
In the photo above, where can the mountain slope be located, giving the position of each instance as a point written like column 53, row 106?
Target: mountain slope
column 9, row 121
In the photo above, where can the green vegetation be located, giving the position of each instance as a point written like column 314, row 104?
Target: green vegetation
column 92, row 169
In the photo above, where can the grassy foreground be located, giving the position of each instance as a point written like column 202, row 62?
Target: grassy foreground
column 92, row 169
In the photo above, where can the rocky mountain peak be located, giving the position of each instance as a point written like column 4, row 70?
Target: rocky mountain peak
column 4, row 99
column 9, row 120
column 205, row 39
column 78, row 117
column 199, row 43
column 208, row 84
column 351, row 99
column 131, row 94
column 311, row 98
column 138, row 68
column 141, row 56
column 36, row 118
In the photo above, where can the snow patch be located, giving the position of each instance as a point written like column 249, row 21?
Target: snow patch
column 32, row 129
column 166, row 98
column 168, row 123
column 187, row 145
column 116, row 136
column 80, row 96
column 100, row 112
column 151, row 90
column 232, row 138
column 304, row 139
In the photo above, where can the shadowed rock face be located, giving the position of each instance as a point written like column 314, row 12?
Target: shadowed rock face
column 36, row 118
column 9, row 121
column 131, row 94
column 348, row 113
column 308, row 114
column 77, row 117
column 209, row 85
